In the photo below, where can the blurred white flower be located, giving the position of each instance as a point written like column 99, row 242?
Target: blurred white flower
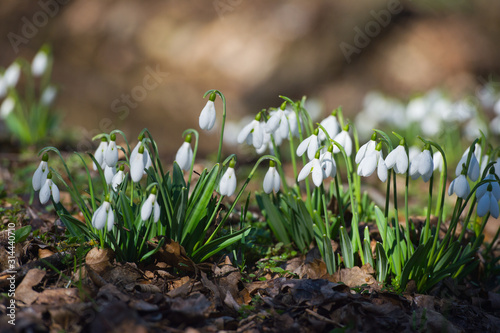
column 48, row 95
column 331, row 125
column 422, row 165
column 11, row 75
column 460, row 187
column 41, row 173
column 100, row 152
column 111, row 154
column 7, row 107
column 137, row 165
column 40, row 63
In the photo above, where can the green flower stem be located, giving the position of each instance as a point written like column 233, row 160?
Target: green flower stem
column 425, row 235
column 395, row 225
column 409, row 244
column 292, row 157
column 250, row 175
column 387, row 196
column 325, row 209
column 221, row 95
column 357, row 178
column 340, row 202
column 196, row 135
column 466, row 221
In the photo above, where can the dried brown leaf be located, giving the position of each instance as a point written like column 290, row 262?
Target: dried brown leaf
column 25, row 292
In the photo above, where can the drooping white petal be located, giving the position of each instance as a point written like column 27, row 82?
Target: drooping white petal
column 381, row 169
column 109, row 173
column 473, row 171
column 147, row 207
column 99, row 154
column 55, row 192
column 44, row 194
column 111, row 220
column 313, row 146
column 184, row 156
column 345, row 141
column 271, row 180
column 39, row 63
column 207, row 116
column 437, row 159
column 397, row 159
column 156, row 211
column 111, row 155
column 137, row 167
column 306, row 170
column 368, row 165
column 40, row 175
column 96, row 213
column 331, row 125
column 245, row 132
column 100, row 217
column 301, row 149
column 11, row 75
column 483, row 205
column 328, row 164
column 227, row 184
column 494, row 209
column 460, row 187
column 317, row 172
column 117, row 180
column 274, row 122
column 257, row 135
column 365, row 150
column 7, row 107
column 48, row 95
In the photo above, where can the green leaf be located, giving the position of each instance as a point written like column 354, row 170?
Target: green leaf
column 382, row 263
column 22, row 233
column 346, row 248
column 274, row 218
column 217, row 245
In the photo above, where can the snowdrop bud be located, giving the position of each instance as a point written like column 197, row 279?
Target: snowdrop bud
column 184, row 156
column 151, row 205
column 111, row 155
column 207, row 115
column 344, row 140
column 104, row 216
column 227, row 184
column 137, row 165
column 100, row 152
column 398, row 159
column 40, row 62
column 460, row 187
column 41, row 173
column 488, row 203
column 7, row 107
column 271, row 179
column 118, row 178
column 49, row 189
column 11, row 75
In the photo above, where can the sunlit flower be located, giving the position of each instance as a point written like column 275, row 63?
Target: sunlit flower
column 278, row 123
column 398, row 159
column 208, row 115
column 7, row 107
column 488, row 203
column 109, row 173
column 137, row 165
column 328, row 163
column 312, row 167
column 118, row 178
column 253, row 133
column 100, row 152
column 49, row 189
column 271, row 179
column 41, row 173
column 344, row 140
column 374, row 160
column 460, row 187
column 310, row 144
column 184, row 156
column 331, row 125
column 104, row 216
column 422, row 165
column 151, row 205
column 366, row 149
column 227, row 184
column 11, row 75
column 40, row 63
column 111, row 154
column 292, row 123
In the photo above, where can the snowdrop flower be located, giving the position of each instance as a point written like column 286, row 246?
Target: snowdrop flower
column 48, row 95
column 473, row 171
column 11, row 75
column 151, row 205
column 278, row 122
column 40, row 62
column 147, row 159
column 207, row 115
column 41, row 173
column 253, row 133
column 413, row 151
column 310, row 144
column 184, row 156
column 374, row 160
column 328, row 163
column 312, row 167
column 398, row 159
column 366, row 149
column 111, row 155
column 137, row 165
column 227, row 184
column 109, row 173
column 495, row 186
column 271, row 179
column 100, row 152
column 331, row 125
column 7, row 107
column 292, row 123
column 460, row 186
column 118, row 178
column 48, row 189
column 437, row 160
column 422, row 165
column 104, row 216
column 488, row 202
column 344, row 140
column 267, row 143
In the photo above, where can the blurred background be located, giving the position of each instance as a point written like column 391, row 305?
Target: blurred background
column 134, row 64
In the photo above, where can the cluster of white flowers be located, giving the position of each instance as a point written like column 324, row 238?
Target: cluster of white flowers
column 42, row 181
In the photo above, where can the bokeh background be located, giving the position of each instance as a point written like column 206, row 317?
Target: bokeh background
column 252, row 51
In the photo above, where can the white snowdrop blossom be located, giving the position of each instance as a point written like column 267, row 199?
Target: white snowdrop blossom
column 312, row 167
column 271, row 179
column 111, row 154
column 109, row 173
column 100, row 152
column 328, row 163
column 104, row 216
column 252, row 133
column 184, row 156
column 310, row 144
column 488, row 203
column 412, row 152
column 374, row 160
column 40, row 63
column 437, row 160
column 151, row 205
column 277, row 124
column 208, row 114
column 495, row 186
column 366, row 149
column 137, row 165
column 460, row 187
column 344, row 140
column 11, row 75
column 41, row 173
column 266, row 143
column 422, row 165
column 473, row 170
column 118, row 178
column 227, row 184
column 49, row 189
column 7, row 107
column 145, row 156
column 48, row 95
column 397, row 159
column 292, row 123
column 331, row 125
